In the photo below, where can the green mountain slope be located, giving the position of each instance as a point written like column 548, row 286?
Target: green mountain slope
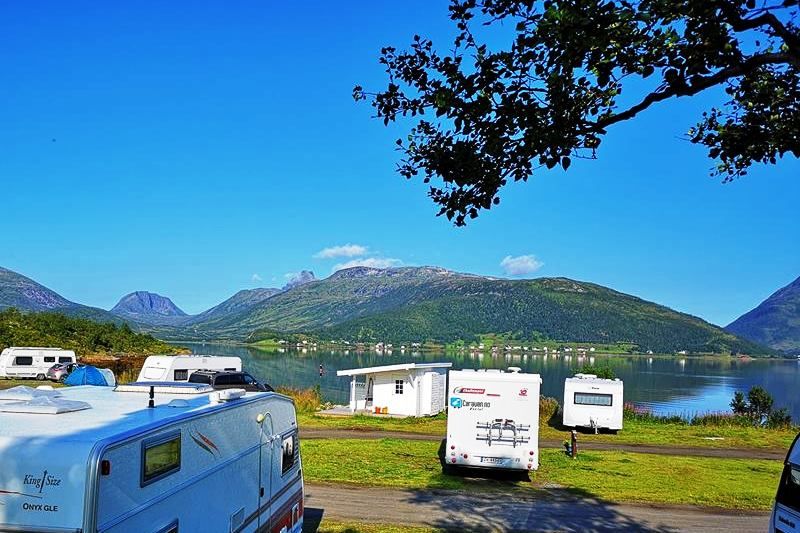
column 775, row 322
column 426, row 303
column 25, row 294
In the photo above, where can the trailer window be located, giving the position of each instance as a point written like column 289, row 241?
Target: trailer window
column 50, row 359
column 398, row 386
column 181, row 375
column 23, row 361
column 161, row 456
column 66, row 359
column 789, row 488
column 289, row 452
column 592, row 398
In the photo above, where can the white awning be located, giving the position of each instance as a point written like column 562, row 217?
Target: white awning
column 391, row 368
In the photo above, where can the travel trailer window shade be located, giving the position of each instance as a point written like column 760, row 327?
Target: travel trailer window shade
column 161, row 456
column 593, row 398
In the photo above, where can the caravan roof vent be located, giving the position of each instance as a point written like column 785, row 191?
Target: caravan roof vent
column 44, row 405
column 165, row 387
column 22, row 393
column 514, row 369
column 226, row 395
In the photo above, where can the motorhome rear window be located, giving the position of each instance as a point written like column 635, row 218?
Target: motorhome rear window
column 23, row 361
column 592, row 398
column 289, row 455
column 789, row 489
column 161, row 456
column 65, row 359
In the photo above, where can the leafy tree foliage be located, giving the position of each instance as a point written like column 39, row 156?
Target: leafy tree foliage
column 485, row 117
column 79, row 334
column 603, row 372
column 758, row 408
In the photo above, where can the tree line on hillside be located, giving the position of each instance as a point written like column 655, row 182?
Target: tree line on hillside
column 78, row 334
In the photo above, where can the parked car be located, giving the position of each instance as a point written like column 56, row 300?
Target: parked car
column 229, row 380
column 60, row 371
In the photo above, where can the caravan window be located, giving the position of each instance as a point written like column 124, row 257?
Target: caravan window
column 23, row 361
column 161, row 456
column 789, row 488
column 181, row 375
column 289, row 453
column 592, row 398
column 67, row 359
column 50, row 359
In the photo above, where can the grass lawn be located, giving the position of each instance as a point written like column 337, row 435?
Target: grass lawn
column 8, row 383
column 330, row 526
column 635, row 432
column 611, row 476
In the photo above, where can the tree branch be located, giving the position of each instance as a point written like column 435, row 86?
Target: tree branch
column 744, row 67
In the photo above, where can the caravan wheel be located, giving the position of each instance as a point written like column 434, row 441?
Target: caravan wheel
column 40, row 377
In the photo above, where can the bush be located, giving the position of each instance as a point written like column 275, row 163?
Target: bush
column 603, row 372
column 305, row 400
column 779, row 419
column 643, row 414
column 757, row 409
column 548, row 408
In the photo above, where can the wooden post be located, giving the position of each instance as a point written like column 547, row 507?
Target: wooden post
column 574, row 444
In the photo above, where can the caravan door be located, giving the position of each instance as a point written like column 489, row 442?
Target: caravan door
column 786, row 513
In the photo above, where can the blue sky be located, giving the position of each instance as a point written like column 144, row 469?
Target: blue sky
column 197, row 149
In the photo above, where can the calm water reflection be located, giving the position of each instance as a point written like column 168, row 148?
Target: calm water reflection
column 683, row 386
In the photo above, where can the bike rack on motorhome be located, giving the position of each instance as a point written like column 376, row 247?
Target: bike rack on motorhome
column 493, row 419
column 96, row 459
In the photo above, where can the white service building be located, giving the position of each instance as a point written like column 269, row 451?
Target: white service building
column 408, row 389
column 593, row 402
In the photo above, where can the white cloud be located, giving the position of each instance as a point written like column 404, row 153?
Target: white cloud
column 255, row 278
column 373, row 262
column 345, row 250
column 520, row 265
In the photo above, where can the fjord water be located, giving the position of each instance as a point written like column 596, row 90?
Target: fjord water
column 684, row 386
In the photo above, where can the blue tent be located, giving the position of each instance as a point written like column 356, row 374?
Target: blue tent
column 86, row 375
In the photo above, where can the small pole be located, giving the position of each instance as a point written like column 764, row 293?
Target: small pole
column 574, row 444
column 152, row 402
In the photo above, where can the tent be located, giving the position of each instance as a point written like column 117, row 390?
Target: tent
column 86, row 375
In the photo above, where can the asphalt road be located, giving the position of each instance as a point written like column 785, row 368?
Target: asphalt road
column 511, row 512
column 694, row 451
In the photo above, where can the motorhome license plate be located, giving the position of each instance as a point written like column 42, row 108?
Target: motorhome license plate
column 492, row 460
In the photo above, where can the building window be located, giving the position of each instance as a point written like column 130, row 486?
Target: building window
column 161, row 456
column 591, row 398
column 398, row 386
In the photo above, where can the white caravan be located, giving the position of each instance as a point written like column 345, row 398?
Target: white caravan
column 180, row 367
column 593, row 402
column 493, row 419
column 96, row 459
column 19, row 362
column 786, row 512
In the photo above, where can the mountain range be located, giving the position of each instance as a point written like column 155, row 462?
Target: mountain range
column 775, row 322
column 407, row 304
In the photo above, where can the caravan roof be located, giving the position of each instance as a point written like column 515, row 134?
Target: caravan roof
column 391, row 368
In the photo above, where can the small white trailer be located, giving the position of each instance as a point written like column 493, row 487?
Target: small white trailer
column 96, row 459
column 592, row 402
column 493, row 419
column 180, row 367
column 786, row 511
column 30, row 362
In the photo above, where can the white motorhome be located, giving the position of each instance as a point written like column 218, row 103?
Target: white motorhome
column 23, row 362
column 592, row 402
column 180, row 367
column 493, row 419
column 786, row 511
column 96, row 459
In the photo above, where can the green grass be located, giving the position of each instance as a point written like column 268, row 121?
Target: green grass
column 636, row 432
column 8, row 383
column 333, row 526
column 611, row 476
